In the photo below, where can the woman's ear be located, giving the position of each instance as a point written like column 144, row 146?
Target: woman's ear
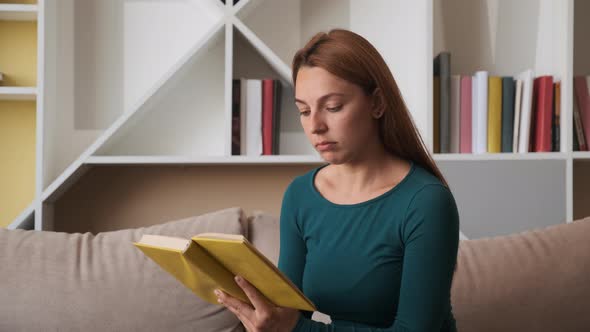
column 378, row 106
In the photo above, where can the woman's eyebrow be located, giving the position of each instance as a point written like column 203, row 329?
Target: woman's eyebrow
column 322, row 98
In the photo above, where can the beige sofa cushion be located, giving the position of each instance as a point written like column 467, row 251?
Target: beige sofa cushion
column 533, row 281
column 53, row 281
column 264, row 232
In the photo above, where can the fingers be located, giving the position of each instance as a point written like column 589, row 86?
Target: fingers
column 242, row 310
column 258, row 300
column 236, row 306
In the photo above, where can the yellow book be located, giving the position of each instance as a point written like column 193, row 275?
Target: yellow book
column 495, row 114
column 210, row 261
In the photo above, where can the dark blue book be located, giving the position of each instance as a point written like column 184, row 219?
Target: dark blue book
column 508, row 89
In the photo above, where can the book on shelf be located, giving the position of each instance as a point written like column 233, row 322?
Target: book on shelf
column 494, row 114
column 556, row 116
column 543, row 91
column 525, row 110
column 235, row 124
column 466, row 104
column 210, row 261
column 436, row 114
column 480, row 112
column 455, row 116
column 508, row 92
column 497, row 114
column 517, row 107
column 442, row 70
column 582, row 111
column 256, row 109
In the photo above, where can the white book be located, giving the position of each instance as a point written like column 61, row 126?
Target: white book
column 525, row 110
column 243, row 117
column 455, row 113
column 480, row 112
column 254, row 117
column 517, row 106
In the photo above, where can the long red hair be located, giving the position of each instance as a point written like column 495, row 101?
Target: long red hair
column 351, row 57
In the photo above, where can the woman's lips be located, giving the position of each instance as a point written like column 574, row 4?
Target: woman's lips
column 325, row 146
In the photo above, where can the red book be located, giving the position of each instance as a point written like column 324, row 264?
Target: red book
column 465, row 114
column 543, row 113
column 267, row 115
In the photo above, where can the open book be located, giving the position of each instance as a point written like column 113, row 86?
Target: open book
column 210, row 261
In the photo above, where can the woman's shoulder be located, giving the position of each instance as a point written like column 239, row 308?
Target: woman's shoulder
column 425, row 188
column 422, row 179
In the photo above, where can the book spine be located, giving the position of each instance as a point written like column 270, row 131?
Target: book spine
column 517, row 107
column 277, row 96
column 583, row 100
column 480, row 112
column 579, row 130
column 254, row 117
column 525, row 111
column 436, row 106
column 465, row 130
column 235, row 125
column 445, row 102
column 243, row 116
column 508, row 86
column 556, row 116
column 494, row 114
column 267, row 116
column 455, row 129
column 544, row 114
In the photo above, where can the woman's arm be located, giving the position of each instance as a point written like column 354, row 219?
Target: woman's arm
column 292, row 247
column 430, row 239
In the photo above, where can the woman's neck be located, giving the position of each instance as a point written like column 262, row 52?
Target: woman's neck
column 377, row 169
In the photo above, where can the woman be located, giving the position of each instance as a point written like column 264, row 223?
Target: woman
column 371, row 237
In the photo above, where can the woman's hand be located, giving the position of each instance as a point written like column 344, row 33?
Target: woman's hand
column 264, row 316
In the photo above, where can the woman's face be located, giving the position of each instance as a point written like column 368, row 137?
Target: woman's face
column 335, row 115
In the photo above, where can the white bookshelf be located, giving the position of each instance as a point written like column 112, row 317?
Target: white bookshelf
column 581, row 66
column 18, row 93
column 23, row 20
column 18, row 12
column 186, row 160
column 160, row 91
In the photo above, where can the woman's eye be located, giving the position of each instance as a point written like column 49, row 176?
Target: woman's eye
column 334, row 109
column 304, row 113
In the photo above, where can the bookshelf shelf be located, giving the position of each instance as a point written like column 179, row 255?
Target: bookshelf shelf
column 500, row 156
column 160, row 93
column 19, row 111
column 581, row 155
column 18, row 12
column 185, row 160
column 18, row 93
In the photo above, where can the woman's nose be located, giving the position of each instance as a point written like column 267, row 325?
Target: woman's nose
column 318, row 125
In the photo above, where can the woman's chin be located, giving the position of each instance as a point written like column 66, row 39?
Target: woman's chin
column 332, row 157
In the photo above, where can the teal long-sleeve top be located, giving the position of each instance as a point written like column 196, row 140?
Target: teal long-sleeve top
column 385, row 264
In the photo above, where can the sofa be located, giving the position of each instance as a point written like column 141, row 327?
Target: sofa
column 537, row 280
